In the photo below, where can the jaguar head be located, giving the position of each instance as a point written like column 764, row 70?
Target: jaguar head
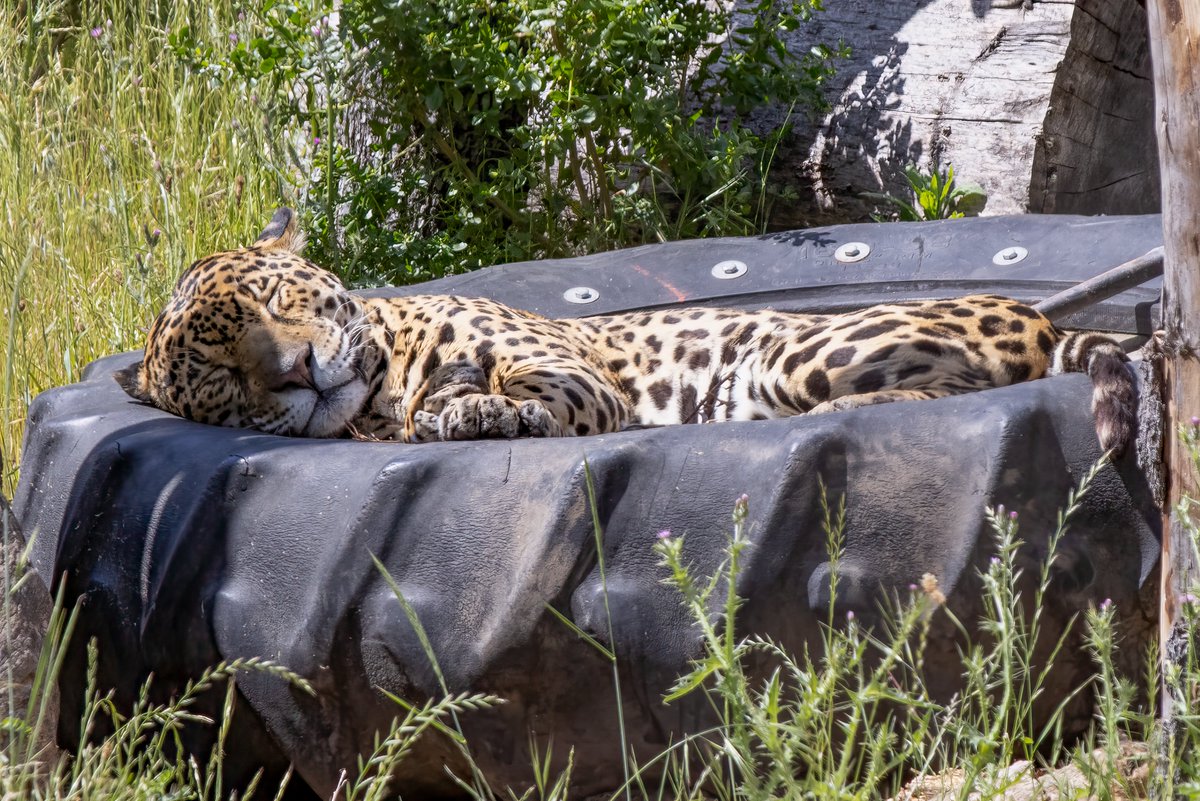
column 259, row 338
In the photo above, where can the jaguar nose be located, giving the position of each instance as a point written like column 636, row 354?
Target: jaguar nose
column 300, row 373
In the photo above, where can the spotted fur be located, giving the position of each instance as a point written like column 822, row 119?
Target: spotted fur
column 261, row 338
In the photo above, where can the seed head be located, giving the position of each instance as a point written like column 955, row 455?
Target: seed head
column 929, row 586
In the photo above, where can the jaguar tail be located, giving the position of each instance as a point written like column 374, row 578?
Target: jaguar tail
column 1114, row 393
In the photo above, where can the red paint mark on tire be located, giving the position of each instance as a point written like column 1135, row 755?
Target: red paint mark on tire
column 679, row 295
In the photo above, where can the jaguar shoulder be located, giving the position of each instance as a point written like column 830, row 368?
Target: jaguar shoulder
column 261, row 338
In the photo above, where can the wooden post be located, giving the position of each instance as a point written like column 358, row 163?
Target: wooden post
column 1175, row 52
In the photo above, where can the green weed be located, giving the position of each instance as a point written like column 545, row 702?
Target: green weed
column 935, row 196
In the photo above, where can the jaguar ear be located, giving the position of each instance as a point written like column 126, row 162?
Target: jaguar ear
column 132, row 380
column 282, row 232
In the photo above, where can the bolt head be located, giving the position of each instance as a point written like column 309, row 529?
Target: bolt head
column 851, row 252
column 731, row 268
column 580, row 294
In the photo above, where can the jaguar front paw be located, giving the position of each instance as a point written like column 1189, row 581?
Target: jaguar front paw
column 425, row 427
column 478, row 417
column 536, row 420
column 493, row 417
column 843, row 404
column 454, row 380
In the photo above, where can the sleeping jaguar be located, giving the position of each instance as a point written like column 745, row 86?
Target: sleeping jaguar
column 261, row 338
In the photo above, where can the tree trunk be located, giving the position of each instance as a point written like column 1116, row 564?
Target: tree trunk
column 1047, row 105
column 1175, row 40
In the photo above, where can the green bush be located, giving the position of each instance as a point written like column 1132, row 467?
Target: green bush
column 452, row 134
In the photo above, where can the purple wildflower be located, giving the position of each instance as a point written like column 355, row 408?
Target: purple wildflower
column 97, row 32
column 665, row 534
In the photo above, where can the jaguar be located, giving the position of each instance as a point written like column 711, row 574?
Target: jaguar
column 259, row 337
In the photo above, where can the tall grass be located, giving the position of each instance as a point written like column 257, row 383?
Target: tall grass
column 119, row 167
column 856, row 719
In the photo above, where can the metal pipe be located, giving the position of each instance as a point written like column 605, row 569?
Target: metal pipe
column 1108, row 283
